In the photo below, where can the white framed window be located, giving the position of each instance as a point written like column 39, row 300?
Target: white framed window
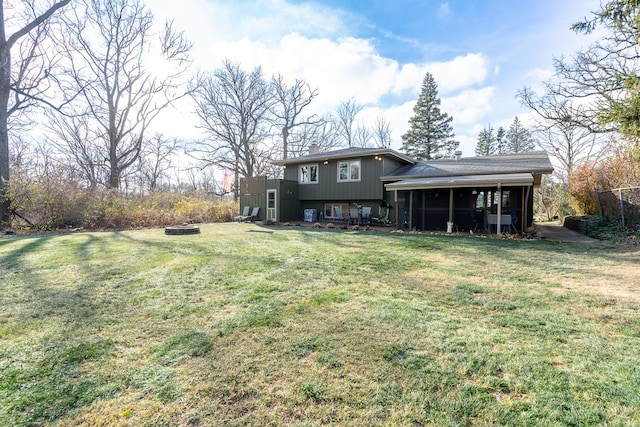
column 308, row 174
column 336, row 210
column 349, row 170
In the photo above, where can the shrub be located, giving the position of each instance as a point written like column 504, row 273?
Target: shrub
column 607, row 228
column 55, row 203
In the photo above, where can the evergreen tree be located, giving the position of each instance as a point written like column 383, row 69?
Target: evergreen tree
column 500, row 141
column 430, row 135
column 518, row 138
column 486, row 142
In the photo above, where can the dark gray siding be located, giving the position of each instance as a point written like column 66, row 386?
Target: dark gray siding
column 289, row 207
column 253, row 192
column 329, row 188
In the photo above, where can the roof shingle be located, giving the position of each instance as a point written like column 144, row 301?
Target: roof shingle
column 533, row 161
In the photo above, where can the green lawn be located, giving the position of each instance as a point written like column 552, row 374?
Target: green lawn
column 251, row 326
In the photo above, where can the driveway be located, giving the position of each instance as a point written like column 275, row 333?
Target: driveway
column 555, row 232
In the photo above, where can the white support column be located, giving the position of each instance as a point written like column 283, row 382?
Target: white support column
column 499, row 212
column 395, row 203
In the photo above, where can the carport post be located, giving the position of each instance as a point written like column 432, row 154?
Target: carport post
column 450, row 204
column 395, row 202
column 411, row 210
column 498, row 222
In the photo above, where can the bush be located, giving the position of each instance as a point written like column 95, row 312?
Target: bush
column 607, row 228
column 55, row 203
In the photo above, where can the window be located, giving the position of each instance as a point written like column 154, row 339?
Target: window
column 308, row 174
column 506, row 199
column 349, row 171
column 336, row 210
column 480, row 200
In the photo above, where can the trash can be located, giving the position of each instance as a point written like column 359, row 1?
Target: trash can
column 310, row 215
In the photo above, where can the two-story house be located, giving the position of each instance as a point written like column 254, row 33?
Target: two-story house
column 482, row 194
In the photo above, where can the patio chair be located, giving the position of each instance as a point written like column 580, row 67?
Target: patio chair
column 253, row 216
column 338, row 215
column 244, row 215
column 366, row 215
column 384, row 211
column 353, row 218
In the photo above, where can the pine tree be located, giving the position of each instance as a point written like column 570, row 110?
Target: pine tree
column 500, row 142
column 430, row 135
column 518, row 138
column 486, row 142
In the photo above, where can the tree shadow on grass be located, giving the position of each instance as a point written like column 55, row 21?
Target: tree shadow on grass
column 43, row 368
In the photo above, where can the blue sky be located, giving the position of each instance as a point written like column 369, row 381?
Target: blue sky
column 480, row 52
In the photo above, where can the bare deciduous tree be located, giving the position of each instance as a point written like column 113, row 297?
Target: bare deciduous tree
column 290, row 101
column 74, row 139
column 155, row 160
column 109, row 48
column 382, row 132
column 234, row 109
column 324, row 135
column 347, row 112
column 362, row 137
column 605, row 75
column 23, row 83
column 561, row 131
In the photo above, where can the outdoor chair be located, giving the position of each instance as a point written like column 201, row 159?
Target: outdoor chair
column 366, row 215
column 244, row 215
column 354, row 218
column 253, row 216
column 384, row 211
column 337, row 214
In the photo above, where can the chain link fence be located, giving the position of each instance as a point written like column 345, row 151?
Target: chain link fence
column 622, row 203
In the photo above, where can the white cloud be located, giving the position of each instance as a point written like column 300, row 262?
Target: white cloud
column 470, row 106
column 450, row 76
column 443, row 10
column 539, row 74
column 308, row 41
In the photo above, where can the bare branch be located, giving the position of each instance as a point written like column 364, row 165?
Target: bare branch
column 108, row 51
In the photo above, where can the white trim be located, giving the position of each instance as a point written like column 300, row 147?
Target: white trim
column 516, row 179
column 349, row 165
column 272, row 213
column 309, row 165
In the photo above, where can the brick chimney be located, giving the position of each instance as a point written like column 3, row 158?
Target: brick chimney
column 313, row 148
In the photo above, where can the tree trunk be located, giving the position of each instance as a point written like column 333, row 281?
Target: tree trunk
column 5, row 92
column 285, row 141
column 5, row 89
column 114, row 173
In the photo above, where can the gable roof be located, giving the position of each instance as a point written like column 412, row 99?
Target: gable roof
column 534, row 162
column 346, row 153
